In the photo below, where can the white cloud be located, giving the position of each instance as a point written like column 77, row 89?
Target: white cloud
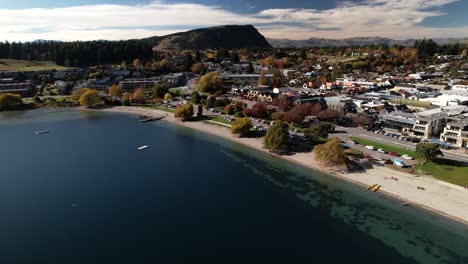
column 387, row 18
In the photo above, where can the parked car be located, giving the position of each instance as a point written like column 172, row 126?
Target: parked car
column 370, row 147
column 352, row 142
column 393, row 154
column 406, row 156
column 386, row 161
column 399, row 163
column 381, row 151
column 345, row 146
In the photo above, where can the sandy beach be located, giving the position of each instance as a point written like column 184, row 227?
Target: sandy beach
column 441, row 197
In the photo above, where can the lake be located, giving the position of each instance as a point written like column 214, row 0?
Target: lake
column 83, row 193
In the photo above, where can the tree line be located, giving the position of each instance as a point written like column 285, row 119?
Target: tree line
column 78, row 53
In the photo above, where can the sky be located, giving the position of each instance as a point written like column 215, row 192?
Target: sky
column 68, row 20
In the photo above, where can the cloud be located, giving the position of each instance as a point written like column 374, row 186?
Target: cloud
column 387, row 18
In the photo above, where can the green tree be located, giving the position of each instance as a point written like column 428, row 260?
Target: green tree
column 250, row 68
column 428, row 151
column 90, row 99
column 210, row 102
column 168, row 97
column 200, row 110
column 210, row 83
column 330, row 153
column 276, row 136
column 185, row 112
column 318, row 131
column 8, row 100
column 198, row 56
column 196, row 98
column 235, row 57
column 160, row 90
column 188, row 61
column 241, row 126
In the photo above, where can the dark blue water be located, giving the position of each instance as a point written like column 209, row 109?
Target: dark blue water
column 189, row 197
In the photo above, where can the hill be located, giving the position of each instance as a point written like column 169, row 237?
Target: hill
column 363, row 41
column 23, row 65
column 228, row 37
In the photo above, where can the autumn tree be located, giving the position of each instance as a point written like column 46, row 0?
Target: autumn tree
column 329, row 114
column 185, row 112
column 159, row 90
column 258, row 110
column 363, row 120
column 90, row 98
column 330, row 153
column 238, row 106
column 428, row 151
column 198, row 68
column 262, row 78
column 168, row 97
column 137, row 63
column 276, row 136
column 210, row 83
column 8, row 100
column 116, row 90
column 78, row 93
column 229, row 109
column 241, row 126
column 138, row 96
column 294, row 115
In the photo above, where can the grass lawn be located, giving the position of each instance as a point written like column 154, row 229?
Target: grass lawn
column 389, row 148
column 446, row 170
column 411, row 102
column 23, row 65
column 220, row 120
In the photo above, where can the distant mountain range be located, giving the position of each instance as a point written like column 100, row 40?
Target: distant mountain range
column 359, row 41
column 247, row 36
column 228, row 37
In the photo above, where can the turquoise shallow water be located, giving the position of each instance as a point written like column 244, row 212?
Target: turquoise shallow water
column 190, row 196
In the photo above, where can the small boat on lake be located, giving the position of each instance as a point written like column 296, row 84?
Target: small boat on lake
column 42, row 132
column 371, row 186
column 376, row 188
column 143, row 147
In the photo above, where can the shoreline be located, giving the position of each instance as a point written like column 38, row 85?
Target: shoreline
column 443, row 198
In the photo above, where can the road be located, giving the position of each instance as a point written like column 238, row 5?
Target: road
column 359, row 132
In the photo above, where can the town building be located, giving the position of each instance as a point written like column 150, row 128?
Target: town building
column 431, row 123
column 456, row 131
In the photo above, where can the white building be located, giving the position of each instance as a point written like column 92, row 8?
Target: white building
column 460, row 87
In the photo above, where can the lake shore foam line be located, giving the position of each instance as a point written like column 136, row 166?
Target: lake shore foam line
column 440, row 197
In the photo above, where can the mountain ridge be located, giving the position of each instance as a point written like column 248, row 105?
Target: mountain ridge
column 227, row 36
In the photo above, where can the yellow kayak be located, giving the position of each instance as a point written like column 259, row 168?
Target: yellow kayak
column 376, row 188
column 371, row 186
